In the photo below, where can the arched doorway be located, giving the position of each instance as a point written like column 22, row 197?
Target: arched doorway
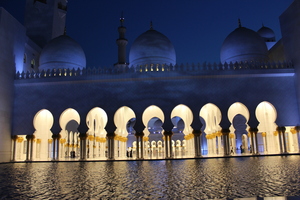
column 69, row 147
column 182, row 117
column 266, row 115
column 179, row 147
column 124, row 120
column 238, row 115
column 240, row 126
column 96, row 121
column 153, row 119
column 210, row 116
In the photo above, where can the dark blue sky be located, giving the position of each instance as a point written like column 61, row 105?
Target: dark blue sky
column 197, row 28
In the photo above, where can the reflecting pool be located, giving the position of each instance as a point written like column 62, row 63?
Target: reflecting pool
column 220, row 178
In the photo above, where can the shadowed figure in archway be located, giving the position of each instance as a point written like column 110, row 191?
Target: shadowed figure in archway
column 203, row 139
column 178, row 151
column 129, row 127
column 71, row 128
column 239, row 123
column 155, row 129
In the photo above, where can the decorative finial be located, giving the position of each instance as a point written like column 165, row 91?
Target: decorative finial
column 151, row 25
column 122, row 19
column 240, row 24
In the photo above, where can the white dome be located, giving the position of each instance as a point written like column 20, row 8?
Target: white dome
column 152, row 47
column 243, row 44
column 267, row 34
column 62, row 53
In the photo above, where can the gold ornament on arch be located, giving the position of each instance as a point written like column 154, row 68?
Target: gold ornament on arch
column 293, row 131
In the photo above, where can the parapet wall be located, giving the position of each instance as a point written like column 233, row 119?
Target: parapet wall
column 205, row 67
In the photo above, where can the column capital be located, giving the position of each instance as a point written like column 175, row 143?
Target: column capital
column 253, row 130
column 167, row 133
column 56, row 136
column 111, row 135
column 14, row 137
column 30, row 137
column 281, row 129
column 197, row 132
column 297, row 128
column 83, row 136
column 225, row 131
column 139, row 134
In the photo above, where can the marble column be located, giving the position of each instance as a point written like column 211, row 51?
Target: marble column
column 28, row 138
column 58, row 142
column 225, row 133
column 111, row 148
column 197, row 140
column 31, row 145
column 282, row 130
column 252, row 146
column 255, row 131
column 14, row 138
column 139, row 140
column 278, row 129
column 297, row 128
column 83, row 137
column 168, row 143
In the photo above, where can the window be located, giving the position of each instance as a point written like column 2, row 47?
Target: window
column 25, row 58
column 32, row 63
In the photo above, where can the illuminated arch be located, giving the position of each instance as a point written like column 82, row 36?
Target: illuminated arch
column 42, row 122
column 266, row 115
column 122, row 116
column 96, row 121
column 212, row 116
column 185, row 113
column 150, row 113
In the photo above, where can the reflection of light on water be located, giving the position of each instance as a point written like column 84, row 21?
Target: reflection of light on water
column 165, row 179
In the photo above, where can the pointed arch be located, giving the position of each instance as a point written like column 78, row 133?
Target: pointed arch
column 69, row 121
column 266, row 115
column 42, row 122
column 238, row 115
column 121, row 118
column 96, row 121
column 184, row 112
column 152, row 112
column 212, row 116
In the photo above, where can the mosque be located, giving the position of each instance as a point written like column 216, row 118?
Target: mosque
column 54, row 107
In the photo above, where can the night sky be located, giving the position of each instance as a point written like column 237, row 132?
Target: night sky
column 197, row 28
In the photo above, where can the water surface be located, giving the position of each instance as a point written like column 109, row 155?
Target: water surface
column 167, row 179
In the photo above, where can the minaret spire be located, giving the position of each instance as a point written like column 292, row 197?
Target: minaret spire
column 121, row 19
column 239, row 22
column 151, row 25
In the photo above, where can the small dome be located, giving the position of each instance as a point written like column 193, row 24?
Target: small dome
column 62, row 53
column 152, row 47
column 243, row 44
column 267, row 34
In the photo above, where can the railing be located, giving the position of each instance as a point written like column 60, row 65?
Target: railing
column 154, row 68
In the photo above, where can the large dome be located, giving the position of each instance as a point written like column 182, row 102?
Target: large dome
column 61, row 53
column 152, row 47
column 243, row 44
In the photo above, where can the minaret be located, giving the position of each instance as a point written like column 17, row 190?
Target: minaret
column 45, row 20
column 121, row 42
